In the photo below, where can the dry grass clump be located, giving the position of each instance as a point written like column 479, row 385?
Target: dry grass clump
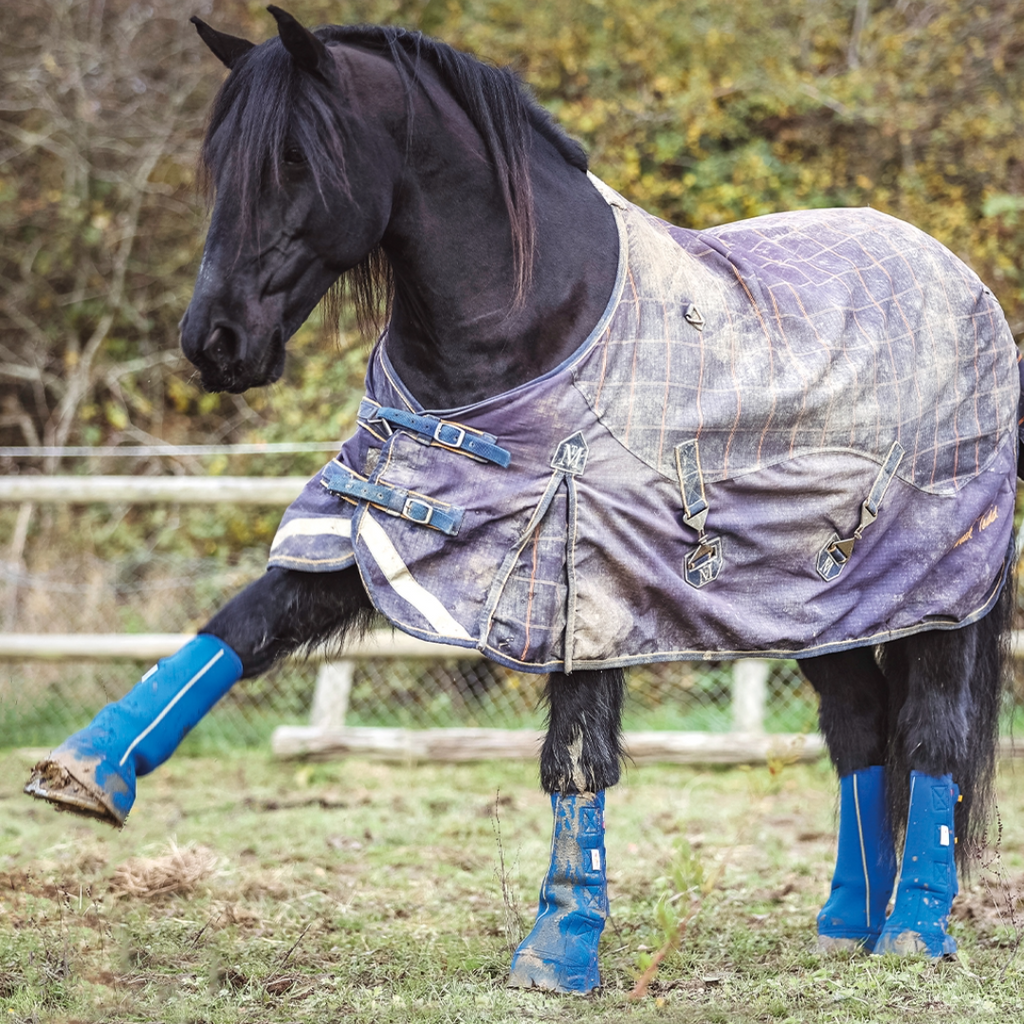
column 176, row 872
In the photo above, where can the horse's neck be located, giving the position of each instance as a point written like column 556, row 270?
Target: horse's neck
column 455, row 336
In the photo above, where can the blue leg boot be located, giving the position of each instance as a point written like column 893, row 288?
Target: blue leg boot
column 854, row 913
column 927, row 885
column 560, row 954
column 93, row 772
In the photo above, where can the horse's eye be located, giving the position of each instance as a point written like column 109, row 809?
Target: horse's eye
column 294, row 156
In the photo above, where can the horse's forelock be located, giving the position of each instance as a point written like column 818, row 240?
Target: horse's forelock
column 265, row 104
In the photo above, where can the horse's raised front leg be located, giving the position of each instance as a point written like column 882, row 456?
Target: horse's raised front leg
column 854, row 718
column 581, row 757
column 94, row 771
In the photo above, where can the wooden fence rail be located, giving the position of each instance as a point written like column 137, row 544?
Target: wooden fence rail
column 327, row 735
column 151, row 646
column 139, row 490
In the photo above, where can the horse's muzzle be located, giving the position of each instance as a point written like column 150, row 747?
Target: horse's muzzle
column 221, row 345
column 226, row 362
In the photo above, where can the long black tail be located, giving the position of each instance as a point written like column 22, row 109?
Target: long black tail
column 946, row 690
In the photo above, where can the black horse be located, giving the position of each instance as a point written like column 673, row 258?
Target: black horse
column 441, row 192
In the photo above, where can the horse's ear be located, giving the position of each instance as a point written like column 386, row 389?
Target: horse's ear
column 308, row 52
column 229, row 50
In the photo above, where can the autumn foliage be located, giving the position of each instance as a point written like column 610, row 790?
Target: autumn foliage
column 702, row 112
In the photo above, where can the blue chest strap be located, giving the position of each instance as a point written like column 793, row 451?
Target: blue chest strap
column 473, row 443
column 395, row 501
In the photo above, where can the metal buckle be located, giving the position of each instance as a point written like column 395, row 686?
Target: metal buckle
column 377, row 421
column 408, row 514
column 702, row 565
column 457, row 443
column 843, row 547
column 693, row 316
column 832, row 558
column 374, row 420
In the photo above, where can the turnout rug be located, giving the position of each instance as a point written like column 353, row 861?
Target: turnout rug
column 785, row 436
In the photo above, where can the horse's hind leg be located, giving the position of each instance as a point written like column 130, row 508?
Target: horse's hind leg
column 946, row 729
column 581, row 757
column 854, row 718
column 94, row 771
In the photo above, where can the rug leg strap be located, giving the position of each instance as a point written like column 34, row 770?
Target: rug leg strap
column 560, row 953
column 93, row 772
column 854, row 913
column 927, row 883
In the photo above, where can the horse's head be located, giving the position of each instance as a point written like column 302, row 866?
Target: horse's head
column 302, row 163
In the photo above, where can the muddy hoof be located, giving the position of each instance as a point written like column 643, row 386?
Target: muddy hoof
column 559, row 972
column 830, row 944
column 51, row 781
column 551, row 976
column 935, row 944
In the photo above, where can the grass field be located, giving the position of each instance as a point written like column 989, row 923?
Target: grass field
column 245, row 890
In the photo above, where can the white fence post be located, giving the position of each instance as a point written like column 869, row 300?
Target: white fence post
column 330, row 697
column 749, row 694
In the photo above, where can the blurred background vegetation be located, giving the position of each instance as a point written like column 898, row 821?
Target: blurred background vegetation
column 702, row 112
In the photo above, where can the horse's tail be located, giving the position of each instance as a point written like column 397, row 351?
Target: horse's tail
column 969, row 671
column 991, row 679
column 984, row 650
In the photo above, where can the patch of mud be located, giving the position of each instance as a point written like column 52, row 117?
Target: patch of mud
column 19, row 912
column 992, row 903
column 25, row 883
column 326, row 802
column 10, row 983
column 111, row 980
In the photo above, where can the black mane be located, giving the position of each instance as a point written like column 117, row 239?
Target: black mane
column 266, row 105
column 494, row 97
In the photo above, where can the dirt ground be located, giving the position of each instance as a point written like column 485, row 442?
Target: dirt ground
column 244, row 889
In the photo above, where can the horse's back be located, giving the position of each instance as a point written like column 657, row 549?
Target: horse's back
column 822, row 329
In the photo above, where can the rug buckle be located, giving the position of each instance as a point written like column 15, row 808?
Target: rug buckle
column 460, row 434
column 832, row 558
column 704, row 563
column 413, row 505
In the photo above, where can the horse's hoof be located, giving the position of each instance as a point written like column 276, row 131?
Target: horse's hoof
column 831, row 945
column 938, row 946
column 70, row 787
column 534, row 970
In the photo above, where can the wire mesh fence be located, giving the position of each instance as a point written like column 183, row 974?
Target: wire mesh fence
column 41, row 702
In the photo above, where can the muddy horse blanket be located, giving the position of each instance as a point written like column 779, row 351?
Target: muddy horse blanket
column 786, row 436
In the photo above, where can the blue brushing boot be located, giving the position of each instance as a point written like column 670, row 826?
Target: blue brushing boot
column 560, row 954
column 93, row 772
column 927, row 885
column 854, row 913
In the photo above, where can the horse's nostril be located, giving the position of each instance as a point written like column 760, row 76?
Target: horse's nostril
column 221, row 345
